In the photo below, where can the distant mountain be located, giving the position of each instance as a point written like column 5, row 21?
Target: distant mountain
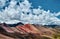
column 53, row 26
column 13, row 25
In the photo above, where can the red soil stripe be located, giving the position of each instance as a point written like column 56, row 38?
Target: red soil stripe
column 20, row 29
column 28, row 26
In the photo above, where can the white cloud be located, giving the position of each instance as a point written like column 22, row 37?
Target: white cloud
column 57, row 14
column 2, row 3
column 22, row 12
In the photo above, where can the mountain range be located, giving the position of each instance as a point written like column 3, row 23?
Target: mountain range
column 29, row 31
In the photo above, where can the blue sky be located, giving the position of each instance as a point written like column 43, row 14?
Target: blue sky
column 53, row 5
